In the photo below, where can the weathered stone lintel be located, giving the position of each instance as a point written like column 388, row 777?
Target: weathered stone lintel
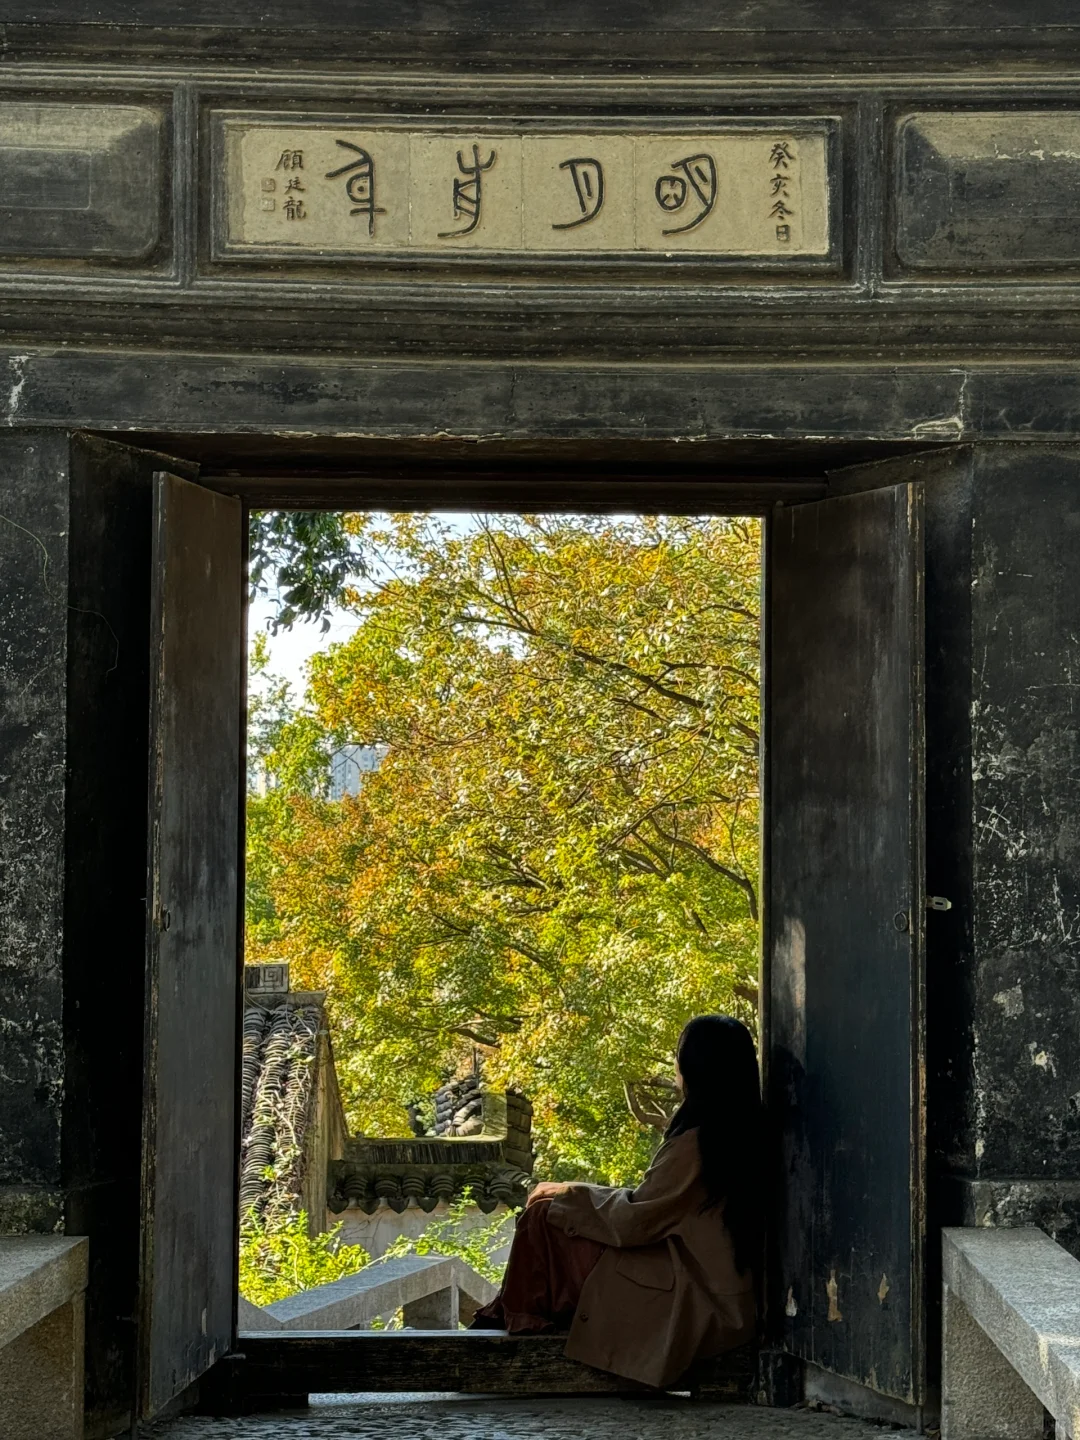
column 507, row 401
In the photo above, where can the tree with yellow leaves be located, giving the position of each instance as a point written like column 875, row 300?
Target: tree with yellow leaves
column 555, row 864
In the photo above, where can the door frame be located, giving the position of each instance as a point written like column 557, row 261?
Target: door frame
column 372, row 488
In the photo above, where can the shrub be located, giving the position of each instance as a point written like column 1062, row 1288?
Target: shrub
column 278, row 1257
column 477, row 1245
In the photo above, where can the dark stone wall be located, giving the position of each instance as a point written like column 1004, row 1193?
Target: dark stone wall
column 1025, row 820
column 591, row 34
column 1003, row 722
column 33, row 658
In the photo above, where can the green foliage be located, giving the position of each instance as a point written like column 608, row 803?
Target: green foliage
column 291, row 749
column 278, row 1257
column 476, row 1245
column 556, row 863
column 310, row 555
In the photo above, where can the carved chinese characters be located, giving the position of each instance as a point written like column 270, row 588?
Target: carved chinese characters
column 360, row 185
column 694, row 180
column 464, row 192
column 783, row 162
column 577, row 192
column 334, row 191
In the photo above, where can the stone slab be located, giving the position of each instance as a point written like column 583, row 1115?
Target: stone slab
column 1023, row 1290
column 986, row 191
column 312, row 190
column 251, row 1318
column 80, row 180
column 41, row 1378
column 378, row 1289
column 437, row 1311
column 982, row 1396
column 38, row 1274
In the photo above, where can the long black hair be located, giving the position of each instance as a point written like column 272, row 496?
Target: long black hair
column 723, row 1102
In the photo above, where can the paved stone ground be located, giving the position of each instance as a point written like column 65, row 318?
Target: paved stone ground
column 411, row 1417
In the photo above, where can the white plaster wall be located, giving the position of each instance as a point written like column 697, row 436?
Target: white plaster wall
column 378, row 1231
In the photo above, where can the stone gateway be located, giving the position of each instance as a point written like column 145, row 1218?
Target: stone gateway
column 812, row 261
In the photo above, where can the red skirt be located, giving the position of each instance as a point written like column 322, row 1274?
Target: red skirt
column 544, row 1276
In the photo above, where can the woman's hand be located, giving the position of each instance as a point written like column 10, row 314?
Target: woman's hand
column 547, row 1190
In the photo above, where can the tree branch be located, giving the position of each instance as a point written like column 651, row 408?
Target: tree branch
column 521, row 626
column 645, row 1103
column 489, row 1042
column 692, row 848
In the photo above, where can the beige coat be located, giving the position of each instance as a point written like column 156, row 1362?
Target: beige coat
column 667, row 1291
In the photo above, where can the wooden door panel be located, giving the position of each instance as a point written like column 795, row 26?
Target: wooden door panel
column 845, row 921
column 189, row 1139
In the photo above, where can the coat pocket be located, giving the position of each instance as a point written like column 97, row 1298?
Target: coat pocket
column 650, row 1266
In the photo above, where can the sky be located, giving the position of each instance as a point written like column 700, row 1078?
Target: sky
column 290, row 650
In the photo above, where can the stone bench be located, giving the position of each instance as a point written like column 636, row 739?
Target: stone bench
column 42, row 1280
column 434, row 1292
column 1011, row 1336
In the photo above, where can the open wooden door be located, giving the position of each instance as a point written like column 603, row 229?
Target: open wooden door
column 188, row 1281
column 845, row 922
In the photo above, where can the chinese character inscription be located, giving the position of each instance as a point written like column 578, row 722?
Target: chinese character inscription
column 360, row 185
column 743, row 191
column 781, row 187
column 292, row 207
column 694, row 180
column 468, row 192
column 588, row 179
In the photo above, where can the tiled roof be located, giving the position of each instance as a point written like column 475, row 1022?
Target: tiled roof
column 459, row 1107
column 489, row 1183
column 482, row 1143
column 278, row 1100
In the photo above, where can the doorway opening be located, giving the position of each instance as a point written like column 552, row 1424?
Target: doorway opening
column 841, row 903
column 502, row 842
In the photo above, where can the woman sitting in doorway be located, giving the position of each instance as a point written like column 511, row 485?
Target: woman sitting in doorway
column 651, row 1279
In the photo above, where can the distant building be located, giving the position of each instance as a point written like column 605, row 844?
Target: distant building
column 260, row 780
column 350, row 764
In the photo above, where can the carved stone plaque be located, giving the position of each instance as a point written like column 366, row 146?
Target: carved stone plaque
column 80, row 180
column 324, row 190
column 988, row 190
